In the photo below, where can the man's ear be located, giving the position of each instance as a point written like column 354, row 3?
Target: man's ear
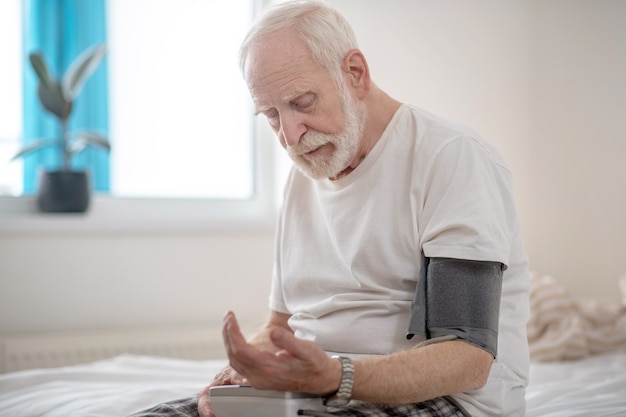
column 357, row 71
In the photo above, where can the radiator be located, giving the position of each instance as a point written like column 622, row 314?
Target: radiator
column 44, row 350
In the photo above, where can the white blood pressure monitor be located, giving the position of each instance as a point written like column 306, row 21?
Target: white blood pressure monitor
column 245, row 401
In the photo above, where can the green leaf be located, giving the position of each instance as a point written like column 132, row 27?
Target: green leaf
column 53, row 101
column 41, row 68
column 81, row 69
column 84, row 139
column 33, row 146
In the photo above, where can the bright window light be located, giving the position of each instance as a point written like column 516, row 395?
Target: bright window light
column 187, row 153
column 181, row 121
column 10, row 97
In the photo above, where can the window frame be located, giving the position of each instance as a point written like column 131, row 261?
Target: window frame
column 108, row 213
column 119, row 214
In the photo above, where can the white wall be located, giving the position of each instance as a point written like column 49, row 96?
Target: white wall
column 86, row 281
column 577, row 226
column 543, row 81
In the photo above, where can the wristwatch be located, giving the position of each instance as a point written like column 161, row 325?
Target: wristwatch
column 343, row 395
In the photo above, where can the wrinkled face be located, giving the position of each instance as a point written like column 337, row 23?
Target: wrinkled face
column 316, row 121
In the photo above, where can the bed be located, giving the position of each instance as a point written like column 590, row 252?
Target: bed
column 594, row 386
column 578, row 367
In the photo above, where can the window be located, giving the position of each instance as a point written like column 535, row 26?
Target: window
column 186, row 151
column 180, row 113
column 11, row 96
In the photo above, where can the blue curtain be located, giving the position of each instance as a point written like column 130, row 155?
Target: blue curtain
column 61, row 30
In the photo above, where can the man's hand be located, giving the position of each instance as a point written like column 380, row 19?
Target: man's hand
column 227, row 376
column 275, row 359
column 295, row 365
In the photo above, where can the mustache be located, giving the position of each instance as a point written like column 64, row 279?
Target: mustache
column 310, row 141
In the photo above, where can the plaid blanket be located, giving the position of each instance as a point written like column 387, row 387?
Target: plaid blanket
column 439, row 407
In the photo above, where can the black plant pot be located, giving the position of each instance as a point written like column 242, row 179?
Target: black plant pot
column 63, row 192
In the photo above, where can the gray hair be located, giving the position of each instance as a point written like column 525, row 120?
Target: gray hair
column 327, row 34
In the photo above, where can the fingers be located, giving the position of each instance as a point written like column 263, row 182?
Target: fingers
column 231, row 333
column 204, row 403
column 256, row 365
column 286, row 341
column 237, row 346
column 301, row 349
column 234, row 342
column 244, row 357
column 292, row 364
column 226, row 376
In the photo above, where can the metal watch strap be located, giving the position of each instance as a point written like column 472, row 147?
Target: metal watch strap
column 344, row 393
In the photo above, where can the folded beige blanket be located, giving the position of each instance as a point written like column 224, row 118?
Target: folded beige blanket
column 562, row 328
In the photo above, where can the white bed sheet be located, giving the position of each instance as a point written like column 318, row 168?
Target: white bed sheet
column 114, row 387
column 590, row 387
column 595, row 386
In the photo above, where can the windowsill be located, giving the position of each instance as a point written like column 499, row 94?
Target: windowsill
column 20, row 215
column 112, row 214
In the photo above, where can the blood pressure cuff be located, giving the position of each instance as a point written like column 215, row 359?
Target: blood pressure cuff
column 458, row 298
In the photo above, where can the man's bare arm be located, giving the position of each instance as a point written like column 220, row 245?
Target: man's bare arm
column 412, row 376
column 421, row 374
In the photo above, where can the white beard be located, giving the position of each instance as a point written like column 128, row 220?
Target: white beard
column 346, row 143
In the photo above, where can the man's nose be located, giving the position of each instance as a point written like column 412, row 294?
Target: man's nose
column 292, row 128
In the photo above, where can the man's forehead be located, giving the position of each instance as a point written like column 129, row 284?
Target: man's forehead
column 280, row 75
column 273, row 82
column 286, row 44
column 275, row 52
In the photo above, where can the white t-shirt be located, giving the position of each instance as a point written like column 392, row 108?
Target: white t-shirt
column 348, row 252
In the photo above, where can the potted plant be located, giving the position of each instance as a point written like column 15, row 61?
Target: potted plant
column 65, row 190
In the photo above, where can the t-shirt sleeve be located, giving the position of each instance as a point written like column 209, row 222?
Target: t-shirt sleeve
column 468, row 209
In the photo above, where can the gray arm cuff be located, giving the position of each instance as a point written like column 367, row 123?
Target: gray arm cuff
column 458, row 298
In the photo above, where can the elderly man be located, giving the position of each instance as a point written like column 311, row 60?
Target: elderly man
column 400, row 284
